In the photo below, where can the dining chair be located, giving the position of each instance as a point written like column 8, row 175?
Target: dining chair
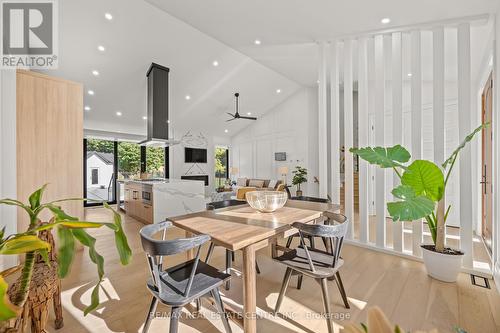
column 182, row 283
column 315, row 263
column 229, row 253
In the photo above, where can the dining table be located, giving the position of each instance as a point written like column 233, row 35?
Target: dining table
column 242, row 228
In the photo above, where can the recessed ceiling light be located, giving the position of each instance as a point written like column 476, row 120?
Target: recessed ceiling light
column 108, row 16
column 118, row 113
column 385, row 20
column 145, row 118
column 215, row 63
column 87, row 108
column 101, row 48
column 95, row 72
column 278, row 91
column 187, row 97
column 168, row 121
column 257, row 42
column 410, row 74
column 249, row 113
column 225, row 131
column 90, row 92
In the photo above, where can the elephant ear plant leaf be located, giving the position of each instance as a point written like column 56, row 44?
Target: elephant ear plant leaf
column 423, row 185
column 69, row 229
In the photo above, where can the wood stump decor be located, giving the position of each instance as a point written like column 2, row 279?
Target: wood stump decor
column 45, row 288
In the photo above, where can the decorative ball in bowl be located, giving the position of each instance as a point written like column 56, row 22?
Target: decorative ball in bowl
column 266, row 201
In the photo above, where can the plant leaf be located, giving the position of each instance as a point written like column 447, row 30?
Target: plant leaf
column 66, row 250
column 411, row 207
column 23, row 244
column 12, row 202
column 36, row 197
column 45, row 256
column 94, row 300
column 120, row 239
column 85, row 239
column 7, row 309
column 425, row 178
column 59, row 213
column 468, row 138
column 389, row 157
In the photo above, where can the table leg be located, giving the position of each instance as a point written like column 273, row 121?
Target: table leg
column 189, row 253
column 249, row 290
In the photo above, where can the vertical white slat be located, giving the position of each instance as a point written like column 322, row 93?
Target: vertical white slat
column 335, row 124
column 397, row 122
column 464, row 128
column 363, row 131
column 348, row 137
column 438, row 93
column 416, row 122
column 322, row 122
column 371, row 126
column 380, row 140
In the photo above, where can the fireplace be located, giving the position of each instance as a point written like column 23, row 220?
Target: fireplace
column 197, row 177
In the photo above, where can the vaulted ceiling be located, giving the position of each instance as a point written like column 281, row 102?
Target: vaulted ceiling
column 189, row 36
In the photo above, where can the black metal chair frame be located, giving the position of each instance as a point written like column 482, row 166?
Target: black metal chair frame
column 320, row 265
column 166, row 285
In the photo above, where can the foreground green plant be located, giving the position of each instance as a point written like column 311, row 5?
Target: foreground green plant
column 68, row 230
column 423, row 185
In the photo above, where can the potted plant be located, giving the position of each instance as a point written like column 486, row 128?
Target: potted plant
column 421, row 195
column 299, row 177
column 68, row 229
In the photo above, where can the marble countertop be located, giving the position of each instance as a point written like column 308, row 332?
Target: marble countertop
column 159, row 181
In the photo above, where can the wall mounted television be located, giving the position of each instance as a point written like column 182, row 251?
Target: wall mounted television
column 281, row 156
column 195, row 155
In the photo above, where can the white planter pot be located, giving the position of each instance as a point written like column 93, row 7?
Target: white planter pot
column 443, row 267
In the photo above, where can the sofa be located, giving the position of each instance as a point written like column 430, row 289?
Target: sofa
column 258, row 184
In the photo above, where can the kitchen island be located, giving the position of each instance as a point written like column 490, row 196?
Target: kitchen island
column 154, row 200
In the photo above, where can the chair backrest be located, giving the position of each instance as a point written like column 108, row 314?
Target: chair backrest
column 334, row 230
column 156, row 249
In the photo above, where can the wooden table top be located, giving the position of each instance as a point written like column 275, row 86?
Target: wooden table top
column 239, row 226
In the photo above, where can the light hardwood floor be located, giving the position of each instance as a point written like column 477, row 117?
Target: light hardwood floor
column 399, row 286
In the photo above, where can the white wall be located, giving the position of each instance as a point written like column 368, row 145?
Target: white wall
column 291, row 127
column 105, row 171
column 496, row 158
column 8, row 216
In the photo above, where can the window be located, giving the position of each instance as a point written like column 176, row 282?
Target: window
column 95, row 176
column 155, row 162
column 221, row 165
column 100, row 171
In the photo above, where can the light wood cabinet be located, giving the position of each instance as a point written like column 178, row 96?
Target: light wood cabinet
column 134, row 204
column 49, row 136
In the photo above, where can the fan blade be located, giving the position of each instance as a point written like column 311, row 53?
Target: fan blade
column 232, row 115
column 230, row 120
column 248, row 118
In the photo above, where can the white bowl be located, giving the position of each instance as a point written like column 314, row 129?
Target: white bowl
column 266, row 201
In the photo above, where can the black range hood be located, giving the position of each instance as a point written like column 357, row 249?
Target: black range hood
column 158, row 125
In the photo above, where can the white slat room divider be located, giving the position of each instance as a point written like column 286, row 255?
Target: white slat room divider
column 397, row 122
column 391, row 85
column 416, row 122
column 322, row 122
column 464, row 119
column 363, row 131
column 334, row 123
column 380, row 201
column 348, row 136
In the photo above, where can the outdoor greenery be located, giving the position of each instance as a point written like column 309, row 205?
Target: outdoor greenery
column 129, row 157
column 220, row 164
column 299, row 176
column 69, row 230
column 423, row 185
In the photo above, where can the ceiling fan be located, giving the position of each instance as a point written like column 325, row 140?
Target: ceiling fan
column 237, row 114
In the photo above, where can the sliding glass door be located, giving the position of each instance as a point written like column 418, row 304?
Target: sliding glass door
column 99, row 171
column 107, row 163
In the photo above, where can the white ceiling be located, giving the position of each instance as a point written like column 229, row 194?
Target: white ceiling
column 288, row 28
column 140, row 34
column 187, row 36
